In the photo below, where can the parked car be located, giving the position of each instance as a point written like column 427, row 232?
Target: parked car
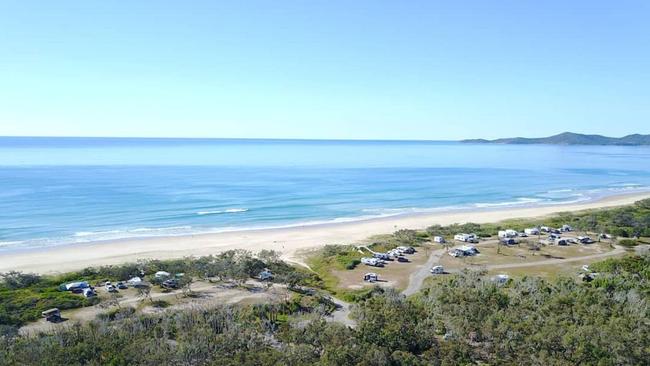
column 111, row 288
column 169, row 284
column 371, row 277
column 407, row 250
column 437, row 270
column 89, row 292
column 402, row 259
column 122, row 285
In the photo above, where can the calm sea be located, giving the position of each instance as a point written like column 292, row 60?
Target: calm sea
column 56, row 191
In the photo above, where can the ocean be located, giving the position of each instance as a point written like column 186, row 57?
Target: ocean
column 57, row 191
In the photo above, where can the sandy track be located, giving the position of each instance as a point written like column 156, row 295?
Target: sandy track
column 417, row 278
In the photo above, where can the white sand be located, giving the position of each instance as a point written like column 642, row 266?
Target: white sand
column 289, row 241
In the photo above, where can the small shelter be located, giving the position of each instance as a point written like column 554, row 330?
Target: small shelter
column 52, row 315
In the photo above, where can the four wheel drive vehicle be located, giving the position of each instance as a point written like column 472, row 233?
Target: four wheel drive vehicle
column 407, row 250
column 169, row 284
column 111, row 288
column 89, row 292
column 122, row 286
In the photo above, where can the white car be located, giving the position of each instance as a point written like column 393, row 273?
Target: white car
column 437, row 270
column 111, row 288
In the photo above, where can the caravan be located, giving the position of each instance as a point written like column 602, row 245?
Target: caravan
column 532, row 231
column 507, row 233
column 468, row 238
column 374, row 262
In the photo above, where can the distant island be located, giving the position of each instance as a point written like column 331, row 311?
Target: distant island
column 569, row 138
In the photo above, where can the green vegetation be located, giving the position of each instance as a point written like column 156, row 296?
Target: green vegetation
column 627, row 222
column 628, row 243
column 462, row 319
column 458, row 319
column 24, row 296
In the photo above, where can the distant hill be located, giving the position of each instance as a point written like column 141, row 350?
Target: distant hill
column 569, row 138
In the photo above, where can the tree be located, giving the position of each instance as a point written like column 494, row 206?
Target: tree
column 406, row 236
column 268, row 256
column 15, row 279
column 144, row 292
column 186, row 285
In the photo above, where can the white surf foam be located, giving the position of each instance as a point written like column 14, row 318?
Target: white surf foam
column 218, row 212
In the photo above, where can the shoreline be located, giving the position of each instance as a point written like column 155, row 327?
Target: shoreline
column 288, row 240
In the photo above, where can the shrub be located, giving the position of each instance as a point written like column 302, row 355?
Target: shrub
column 628, row 243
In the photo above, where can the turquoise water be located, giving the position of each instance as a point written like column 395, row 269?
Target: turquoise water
column 57, row 191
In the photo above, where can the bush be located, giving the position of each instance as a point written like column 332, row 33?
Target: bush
column 629, row 243
column 353, row 264
column 116, row 314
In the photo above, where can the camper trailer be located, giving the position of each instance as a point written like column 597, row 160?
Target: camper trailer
column 374, row 262
column 438, row 239
column 468, row 238
column 507, row 233
column 532, row 231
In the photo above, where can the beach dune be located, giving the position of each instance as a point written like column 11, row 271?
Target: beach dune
column 289, row 241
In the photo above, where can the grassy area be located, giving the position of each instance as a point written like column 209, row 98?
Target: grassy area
column 338, row 265
column 25, row 305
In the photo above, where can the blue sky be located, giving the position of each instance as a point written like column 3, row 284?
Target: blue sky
column 324, row 69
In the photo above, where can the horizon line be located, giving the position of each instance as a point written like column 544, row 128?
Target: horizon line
column 228, row 138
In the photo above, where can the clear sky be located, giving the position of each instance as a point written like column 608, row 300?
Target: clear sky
column 324, row 69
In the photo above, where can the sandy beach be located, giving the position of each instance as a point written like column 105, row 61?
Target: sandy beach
column 290, row 241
